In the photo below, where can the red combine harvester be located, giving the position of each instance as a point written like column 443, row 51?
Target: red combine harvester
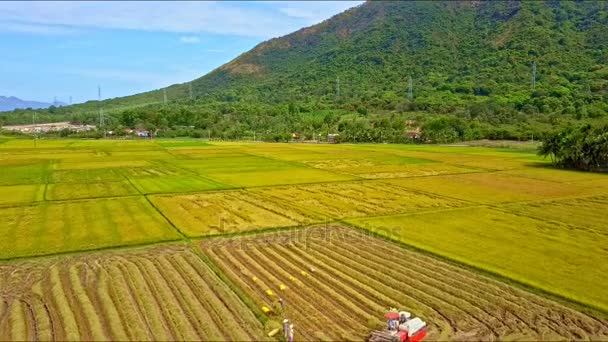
column 400, row 328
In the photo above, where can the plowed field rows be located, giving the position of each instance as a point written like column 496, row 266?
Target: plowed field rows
column 337, row 282
column 162, row 293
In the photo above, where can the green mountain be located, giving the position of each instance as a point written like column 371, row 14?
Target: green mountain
column 516, row 66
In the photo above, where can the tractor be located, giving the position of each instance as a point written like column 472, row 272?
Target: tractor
column 400, row 328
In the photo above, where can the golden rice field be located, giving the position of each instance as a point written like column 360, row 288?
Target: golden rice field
column 162, row 240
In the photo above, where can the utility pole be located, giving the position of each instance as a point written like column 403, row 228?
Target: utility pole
column 191, row 93
column 410, row 90
column 70, row 100
column 165, row 96
column 34, row 128
column 55, row 101
column 101, row 116
column 338, row 88
column 533, row 75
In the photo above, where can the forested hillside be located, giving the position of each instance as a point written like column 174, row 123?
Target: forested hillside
column 496, row 69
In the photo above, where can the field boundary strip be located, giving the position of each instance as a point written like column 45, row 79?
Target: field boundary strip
column 570, row 302
column 92, row 250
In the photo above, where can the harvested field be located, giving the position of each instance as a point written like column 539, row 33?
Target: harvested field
column 53, row 227
column 161, row 293
column 335, row 274
column 226, row 212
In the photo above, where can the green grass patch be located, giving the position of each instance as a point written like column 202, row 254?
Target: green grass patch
column 155, row 185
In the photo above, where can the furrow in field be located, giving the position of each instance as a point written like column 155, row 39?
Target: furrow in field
column 42, row 317
column 343, row 296
column 128, row 308
column 30, row 321
column 63, row 307
column 395, row 293
column 307, row 300
column 422, row 298
column 5, row 327
column 107, row 306
column 174, row 312
column 3, row 310
column 223, row 299
column 144, row 292
column 97, row 331
column 208, row 321
column 219, row 321
column 258, row 288
column 17, row 322
column 189, row 301
column 495, row 306
column 325, row 282
column 84, row 325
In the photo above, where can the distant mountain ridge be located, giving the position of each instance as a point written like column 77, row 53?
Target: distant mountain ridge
column 9, row 103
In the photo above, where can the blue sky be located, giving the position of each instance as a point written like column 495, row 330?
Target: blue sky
column 65, row 49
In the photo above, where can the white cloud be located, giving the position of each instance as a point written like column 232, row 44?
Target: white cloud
column 235, row 18
column 190, row 39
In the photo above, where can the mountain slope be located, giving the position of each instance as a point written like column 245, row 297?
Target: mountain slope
column 454, row 51
column 470, row 58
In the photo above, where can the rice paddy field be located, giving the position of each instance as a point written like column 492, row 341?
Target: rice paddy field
column 198, row 240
